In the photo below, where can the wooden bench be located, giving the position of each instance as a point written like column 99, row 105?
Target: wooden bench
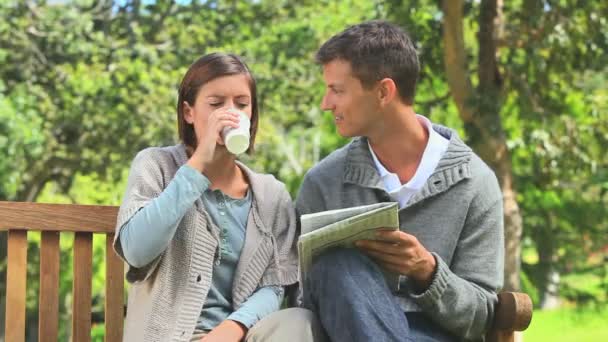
column 53, row 219
column 514, row 311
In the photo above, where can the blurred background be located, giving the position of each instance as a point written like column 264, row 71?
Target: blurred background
column 84, row 85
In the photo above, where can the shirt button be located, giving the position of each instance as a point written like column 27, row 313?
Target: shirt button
column 198, row 278
column 222, row 213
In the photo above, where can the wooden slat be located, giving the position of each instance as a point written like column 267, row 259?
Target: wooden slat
column 58, row 217
column 49, row 287
column 81, row 305
column 15, row 286
column 114, row 293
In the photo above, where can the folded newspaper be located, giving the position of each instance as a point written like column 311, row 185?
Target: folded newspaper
column 341, row 228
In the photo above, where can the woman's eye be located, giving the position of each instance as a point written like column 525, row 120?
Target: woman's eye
column 242, row 105
column 215, row 104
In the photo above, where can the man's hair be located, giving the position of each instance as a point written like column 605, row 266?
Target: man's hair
column 376, row 50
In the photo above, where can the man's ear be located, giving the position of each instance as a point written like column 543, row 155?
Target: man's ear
column 387, row 90
column 188, row 112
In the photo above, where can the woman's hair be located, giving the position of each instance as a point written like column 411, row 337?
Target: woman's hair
column 204, row 70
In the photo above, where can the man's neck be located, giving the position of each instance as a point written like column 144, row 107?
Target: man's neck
column 401, row 145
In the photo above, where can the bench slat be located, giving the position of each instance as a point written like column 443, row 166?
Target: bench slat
column 82, row 287
column 15, row 286
column 48, row 307
column 114, row 306
column 58, row 217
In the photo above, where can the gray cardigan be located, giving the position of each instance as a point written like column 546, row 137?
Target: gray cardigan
column 167, row 295
column 458, row 216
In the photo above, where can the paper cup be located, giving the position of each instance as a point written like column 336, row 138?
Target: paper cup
column 237, row 139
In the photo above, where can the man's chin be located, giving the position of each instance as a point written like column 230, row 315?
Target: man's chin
column 346, row 131
column 345, row 134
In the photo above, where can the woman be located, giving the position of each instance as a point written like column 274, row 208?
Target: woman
column 209, row 243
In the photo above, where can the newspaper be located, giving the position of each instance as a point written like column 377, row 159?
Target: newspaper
column 341, row 228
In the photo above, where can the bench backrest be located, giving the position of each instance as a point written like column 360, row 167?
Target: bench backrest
column 51, row 220
column 513, row 313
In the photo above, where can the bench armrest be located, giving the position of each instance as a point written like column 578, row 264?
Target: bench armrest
column 513, row 313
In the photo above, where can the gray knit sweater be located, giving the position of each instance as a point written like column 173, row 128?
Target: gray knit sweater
column 167, row 295
column 458, row 216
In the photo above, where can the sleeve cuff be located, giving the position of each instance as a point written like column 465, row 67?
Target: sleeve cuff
column 258, row 306
column 246, row 321
column 438, row 285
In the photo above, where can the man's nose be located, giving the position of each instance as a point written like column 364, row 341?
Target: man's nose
column 326, row 103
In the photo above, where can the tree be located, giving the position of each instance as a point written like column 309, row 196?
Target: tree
column 87, row 85
column 479, row 109
column 502, row 65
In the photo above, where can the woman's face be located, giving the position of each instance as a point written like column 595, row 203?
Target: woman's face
column 222, row 92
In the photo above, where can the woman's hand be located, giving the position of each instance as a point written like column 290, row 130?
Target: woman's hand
column 227, row 331
column 208, row 136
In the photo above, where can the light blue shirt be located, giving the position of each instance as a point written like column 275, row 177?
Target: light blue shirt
column 148, row 232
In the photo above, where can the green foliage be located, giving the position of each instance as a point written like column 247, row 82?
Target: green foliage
column 85, row 85
column 528, row 287
column 588, row 287
column 551, row 62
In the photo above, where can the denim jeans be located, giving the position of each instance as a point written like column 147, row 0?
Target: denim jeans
column 348, row 293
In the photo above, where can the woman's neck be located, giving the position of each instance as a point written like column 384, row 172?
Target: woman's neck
column 225, row 175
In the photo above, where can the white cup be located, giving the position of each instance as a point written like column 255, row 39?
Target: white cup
column 237, row 139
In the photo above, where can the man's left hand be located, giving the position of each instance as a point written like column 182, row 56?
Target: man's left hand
column 402, row 253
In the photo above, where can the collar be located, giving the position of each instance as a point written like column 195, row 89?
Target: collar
column 360, row 169
column 435, row 148
column 260, row 186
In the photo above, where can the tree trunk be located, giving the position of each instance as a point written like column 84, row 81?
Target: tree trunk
column 545, row 273
column 548, row 276
column 480, row 111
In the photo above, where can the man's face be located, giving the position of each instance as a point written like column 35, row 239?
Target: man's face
column 354, row 108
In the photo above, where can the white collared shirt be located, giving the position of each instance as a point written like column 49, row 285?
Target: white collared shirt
column 434, row 150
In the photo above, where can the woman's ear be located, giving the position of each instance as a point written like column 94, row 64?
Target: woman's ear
column 188, row 112
column 387, row 90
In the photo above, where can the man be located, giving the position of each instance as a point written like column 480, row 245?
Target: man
column 449, row 249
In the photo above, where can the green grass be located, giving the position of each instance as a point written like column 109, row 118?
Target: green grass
column 569, row 324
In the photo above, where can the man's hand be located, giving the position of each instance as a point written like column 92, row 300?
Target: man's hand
column 227, row 331
column 401, row 253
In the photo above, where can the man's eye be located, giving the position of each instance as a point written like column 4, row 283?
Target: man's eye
column 242, row 105
column 215, row 104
